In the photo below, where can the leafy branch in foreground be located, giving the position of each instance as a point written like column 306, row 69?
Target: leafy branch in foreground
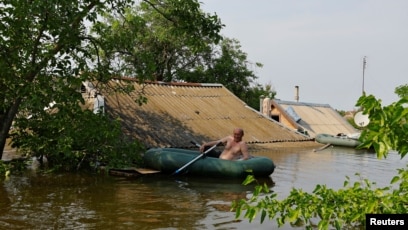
column 388, row 127
column 325, row 207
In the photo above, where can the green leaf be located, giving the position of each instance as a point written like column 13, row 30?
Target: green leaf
column 337, row 225
column 248, row 180
column 293, row 215
column 263, row 215
column 395, row 179
column 370, row 207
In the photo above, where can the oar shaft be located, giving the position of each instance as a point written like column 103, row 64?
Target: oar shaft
column 195, row 143
column 194, row 160
column 188, row 164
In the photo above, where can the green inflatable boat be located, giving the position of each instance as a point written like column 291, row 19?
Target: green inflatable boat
column 169, row 160
column 339, row 140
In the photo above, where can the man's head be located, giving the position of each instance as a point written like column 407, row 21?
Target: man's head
column 238, row 134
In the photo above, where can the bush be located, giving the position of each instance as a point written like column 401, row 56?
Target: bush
column 325, row 207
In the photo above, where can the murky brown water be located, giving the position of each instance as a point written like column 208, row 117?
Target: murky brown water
column 77, row 201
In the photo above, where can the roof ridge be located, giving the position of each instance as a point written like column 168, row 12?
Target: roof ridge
column 189, row 84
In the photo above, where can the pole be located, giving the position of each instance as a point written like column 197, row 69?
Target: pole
column 364, row 66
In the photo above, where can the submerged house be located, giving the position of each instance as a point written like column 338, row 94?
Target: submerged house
column 308, row 118
column 177, row 113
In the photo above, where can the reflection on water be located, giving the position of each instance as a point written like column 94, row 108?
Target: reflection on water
column 77, row 201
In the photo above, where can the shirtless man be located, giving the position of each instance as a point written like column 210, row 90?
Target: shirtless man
column 235, row 147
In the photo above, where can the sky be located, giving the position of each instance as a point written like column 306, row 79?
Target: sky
column 320, row 45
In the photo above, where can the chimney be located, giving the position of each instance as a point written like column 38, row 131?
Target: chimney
column 261, row 100
column 296, row 93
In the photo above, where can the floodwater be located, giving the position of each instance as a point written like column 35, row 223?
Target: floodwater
column 78, row 201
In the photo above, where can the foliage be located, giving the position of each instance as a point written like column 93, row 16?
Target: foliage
column 402, row 91
column 353, row 123
column 349, row 119
column 226, row 64
column 255, row 93
column 147, row 42
column 325, row 207
column 156, row 39
column 388, row 127
column 4, row 168
column 47, row 51
column 341, row 112
column 15, row 165
column 88, row 141
column 42, row 54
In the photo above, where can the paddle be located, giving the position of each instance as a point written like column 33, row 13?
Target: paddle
column 196, row 144
column 195, row 159
column 132, row 172
column 321, row 148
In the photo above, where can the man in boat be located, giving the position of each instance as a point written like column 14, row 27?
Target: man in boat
column 235, row 147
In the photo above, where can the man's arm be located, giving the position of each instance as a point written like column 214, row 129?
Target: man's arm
column 212, row 143
column 244, row 151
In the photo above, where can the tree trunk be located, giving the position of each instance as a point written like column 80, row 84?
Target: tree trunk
column 5, row 123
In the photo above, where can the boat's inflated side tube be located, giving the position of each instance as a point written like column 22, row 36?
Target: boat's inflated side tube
column 169, row 159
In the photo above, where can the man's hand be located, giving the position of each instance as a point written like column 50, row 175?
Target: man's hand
column 202, row 147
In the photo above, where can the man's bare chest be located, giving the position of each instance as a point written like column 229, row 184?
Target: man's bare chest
column 233, row 147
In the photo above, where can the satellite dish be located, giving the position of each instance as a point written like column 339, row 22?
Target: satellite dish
column 361, row 119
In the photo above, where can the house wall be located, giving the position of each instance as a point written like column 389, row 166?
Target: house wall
column 282, row 119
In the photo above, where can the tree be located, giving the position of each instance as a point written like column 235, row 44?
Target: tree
column 156, row 39
column 40, row 41
column 89, row 140
column 226, row 64
column 254, row 93
column 47, row 51
column 147, row 42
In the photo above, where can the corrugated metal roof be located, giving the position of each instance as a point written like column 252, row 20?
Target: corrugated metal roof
column 318, row 118
column 177, row 113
